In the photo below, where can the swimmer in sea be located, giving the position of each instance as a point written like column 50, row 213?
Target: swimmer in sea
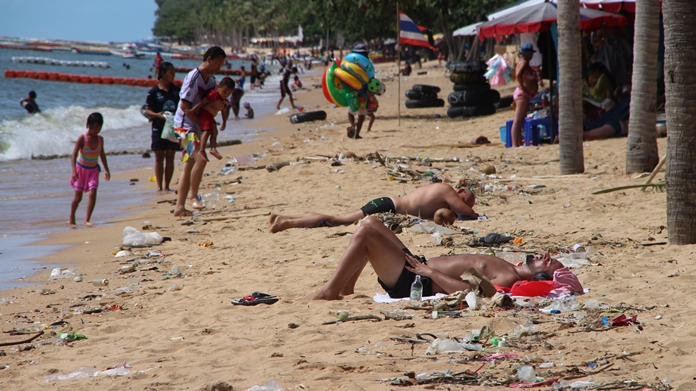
column 29, row 103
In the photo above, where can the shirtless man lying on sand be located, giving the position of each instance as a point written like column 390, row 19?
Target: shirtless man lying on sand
column 396, row 267
column 423, row 202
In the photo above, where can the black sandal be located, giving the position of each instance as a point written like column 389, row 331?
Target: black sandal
column 256, row 298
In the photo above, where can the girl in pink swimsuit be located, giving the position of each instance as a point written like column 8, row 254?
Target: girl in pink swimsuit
column 89, row 148
column 527, row 87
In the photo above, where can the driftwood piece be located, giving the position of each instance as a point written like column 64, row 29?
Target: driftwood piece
column 658, row 186
column 354, row 318
column 40, row 333
column 220, row 218
column 379, row 157
column 278, row 165
column 654, row 172
column 444, row 146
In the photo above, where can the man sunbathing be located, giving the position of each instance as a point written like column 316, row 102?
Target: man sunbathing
column 423, row 202
column 396, row 268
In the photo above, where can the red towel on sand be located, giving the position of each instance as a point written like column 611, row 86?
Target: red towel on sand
column 566, row 282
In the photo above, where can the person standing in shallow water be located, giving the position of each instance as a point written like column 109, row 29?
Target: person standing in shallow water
column 196, row 86
column 163, row 97
column 89, row 148
column 29, row 103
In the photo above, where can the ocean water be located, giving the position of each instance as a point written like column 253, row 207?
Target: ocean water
column 35, row 195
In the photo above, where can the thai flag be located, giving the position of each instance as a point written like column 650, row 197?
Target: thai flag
column 410, row 33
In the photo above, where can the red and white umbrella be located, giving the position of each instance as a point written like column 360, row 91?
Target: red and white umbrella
column 612, row 6
column 538, row 16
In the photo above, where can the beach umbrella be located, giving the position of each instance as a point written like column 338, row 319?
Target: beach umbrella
column 467, row 30
column 613, row 6
column 538, row 16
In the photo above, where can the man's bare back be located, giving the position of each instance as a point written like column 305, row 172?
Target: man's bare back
column 426, row 200
column 422, row 202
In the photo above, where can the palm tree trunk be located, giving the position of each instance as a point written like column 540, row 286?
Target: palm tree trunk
column 570, row 88
column 680, row 107
column 641, row 151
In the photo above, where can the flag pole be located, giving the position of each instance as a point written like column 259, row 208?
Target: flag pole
column 398, row 61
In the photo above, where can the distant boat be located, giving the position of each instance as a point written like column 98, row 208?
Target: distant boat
column 128, row 53
column 24, row 47
column 99, row 51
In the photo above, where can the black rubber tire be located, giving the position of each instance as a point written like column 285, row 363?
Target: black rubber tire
column 426, row 88
column 319, row 115
column 505, row 101
column 410, row 94
column 464, row 78
column 421, row 103
column 454, row 111
column 467, row 98
column 468, row 66
column 470, row 111
column 492, row 97
column 481, row 86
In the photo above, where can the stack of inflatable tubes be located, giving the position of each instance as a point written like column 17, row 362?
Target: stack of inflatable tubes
column 421, row 95
column 472, row 95
column 346, row 83
column 84, row 79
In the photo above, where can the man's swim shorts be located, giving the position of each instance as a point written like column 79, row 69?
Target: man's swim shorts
column 402, row 288
column 379, row 205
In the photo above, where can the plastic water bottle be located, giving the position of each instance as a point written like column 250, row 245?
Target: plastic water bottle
column 417, row 289
column 100, row 282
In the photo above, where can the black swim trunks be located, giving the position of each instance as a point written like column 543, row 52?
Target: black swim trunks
column 379, row 205
column 402, row 288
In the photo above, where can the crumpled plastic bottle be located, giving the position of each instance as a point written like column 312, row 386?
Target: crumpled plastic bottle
column 526, row 374
column 271, row 385
column 448, row 346
column 524, row 329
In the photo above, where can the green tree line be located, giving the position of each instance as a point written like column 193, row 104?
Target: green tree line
column 231, row 22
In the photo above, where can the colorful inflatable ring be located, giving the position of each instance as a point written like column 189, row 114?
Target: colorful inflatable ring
column 363, row 62
column 349, row 79
column 325, row 88
column 355, row 70
column 335, row 87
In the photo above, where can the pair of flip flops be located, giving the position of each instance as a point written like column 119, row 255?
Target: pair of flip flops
column 255, row 298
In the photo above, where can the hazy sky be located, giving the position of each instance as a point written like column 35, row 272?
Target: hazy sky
column 82, row 20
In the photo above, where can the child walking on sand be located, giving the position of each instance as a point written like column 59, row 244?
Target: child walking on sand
column 85, row 166
column 207, row 110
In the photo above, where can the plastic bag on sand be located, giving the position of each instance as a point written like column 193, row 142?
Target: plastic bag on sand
column 134, row 238
column 79, row 374
column 89, row 372
column 430, row 228
column 271, row 385
column 449, row 346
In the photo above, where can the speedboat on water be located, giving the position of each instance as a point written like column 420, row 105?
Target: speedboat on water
column 91, row 50
column 128, row 51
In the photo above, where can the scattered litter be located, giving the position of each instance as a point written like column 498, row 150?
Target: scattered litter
column 271, row 385
column 439, row 346
column 429, row 228
column 133, row 237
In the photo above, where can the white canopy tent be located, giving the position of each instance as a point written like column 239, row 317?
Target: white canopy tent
column 467, row 30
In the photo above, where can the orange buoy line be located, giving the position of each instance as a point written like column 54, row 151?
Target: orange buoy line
column 85, row 79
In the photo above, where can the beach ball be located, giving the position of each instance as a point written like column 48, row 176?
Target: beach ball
column 374, row 86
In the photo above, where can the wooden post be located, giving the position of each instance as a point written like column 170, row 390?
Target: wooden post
column 398, row 62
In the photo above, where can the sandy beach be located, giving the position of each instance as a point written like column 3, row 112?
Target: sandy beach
column 183, row 333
